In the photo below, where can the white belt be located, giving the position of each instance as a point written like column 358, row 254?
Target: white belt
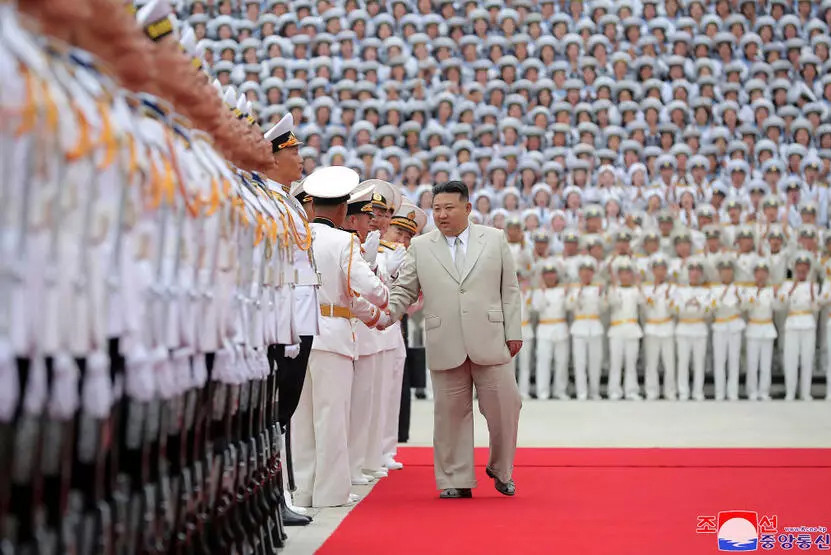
column 305, row 276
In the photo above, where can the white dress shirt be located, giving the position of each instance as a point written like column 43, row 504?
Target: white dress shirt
column 451, row 242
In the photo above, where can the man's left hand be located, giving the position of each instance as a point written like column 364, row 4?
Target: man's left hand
column 514, row 347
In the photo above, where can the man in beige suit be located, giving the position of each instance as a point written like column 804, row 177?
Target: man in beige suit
column 472, row 318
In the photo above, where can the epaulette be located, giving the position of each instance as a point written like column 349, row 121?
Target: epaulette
column 387, row 245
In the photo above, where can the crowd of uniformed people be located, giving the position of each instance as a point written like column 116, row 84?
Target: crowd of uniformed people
column 657, row 307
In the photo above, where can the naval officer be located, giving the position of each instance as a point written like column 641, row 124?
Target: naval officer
column 322, row 418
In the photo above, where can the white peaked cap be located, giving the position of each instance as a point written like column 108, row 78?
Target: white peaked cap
column 390, row 193
column 282, row 127
column 410, row 217
column 188, row 40
column 331, row 182
column 153, row 11
column 362, row 193
column 282, row 136
column 230, row 97
column 297, row 188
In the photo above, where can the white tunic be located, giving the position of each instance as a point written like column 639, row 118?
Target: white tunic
column 725, row 302
column 759, row 302
column 801, row 302
column 657, row 311
column 586, row 303
column 692, row 305
column 551, row 305
column 345, row 273
column 623, row 320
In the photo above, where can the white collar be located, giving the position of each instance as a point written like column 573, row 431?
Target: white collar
column 463, row 236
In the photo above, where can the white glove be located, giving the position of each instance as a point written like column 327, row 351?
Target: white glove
column 395, row 259
column 384, row 321
column 291, row 351
column 373, row 239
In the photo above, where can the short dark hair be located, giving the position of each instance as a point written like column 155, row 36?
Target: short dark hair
column 452, row 187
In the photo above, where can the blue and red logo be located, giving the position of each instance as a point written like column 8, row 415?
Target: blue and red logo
column 738, row 531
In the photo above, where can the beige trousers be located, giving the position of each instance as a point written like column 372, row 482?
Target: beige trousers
column 499, row 403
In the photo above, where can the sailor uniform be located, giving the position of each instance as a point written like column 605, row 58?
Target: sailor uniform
column 760, row 333
column 322, row 417
column 659, row 339
column 692, row 306
column 586, row 304
column 725, row 302
column 624, row 341
column 552, row 341
column 523, row 360
column 800, row 299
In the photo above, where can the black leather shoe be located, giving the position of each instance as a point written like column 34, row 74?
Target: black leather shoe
column 456, row 493
column 505, row 488
column 290, row 518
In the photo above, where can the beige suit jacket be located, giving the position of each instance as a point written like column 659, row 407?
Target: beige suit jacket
column 469, row 315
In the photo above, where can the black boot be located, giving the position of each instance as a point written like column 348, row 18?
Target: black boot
column 290, row 518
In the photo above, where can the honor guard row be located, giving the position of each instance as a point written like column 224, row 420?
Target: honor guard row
column 159, row 292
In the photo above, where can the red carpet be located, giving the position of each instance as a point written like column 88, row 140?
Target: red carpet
column 587, row 501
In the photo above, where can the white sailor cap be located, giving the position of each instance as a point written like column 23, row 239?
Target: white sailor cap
column 230, row 98
column 282, row 136
column 332, row 182
column 587, row 262
column 623, row 263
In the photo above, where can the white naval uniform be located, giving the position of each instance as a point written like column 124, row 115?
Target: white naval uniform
column 321, row 428
column 364, row 432
column 624, row 341
column 692, row 305
column 305, row 312
column 523, row 360
column 725, row 302
column 390, row 358
column 779, row 263
column 759, row 303
column 394, row 376
column 802, row 304
column 825, row 299
column 587, row 303
column 552, row 340
column 659, row 339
